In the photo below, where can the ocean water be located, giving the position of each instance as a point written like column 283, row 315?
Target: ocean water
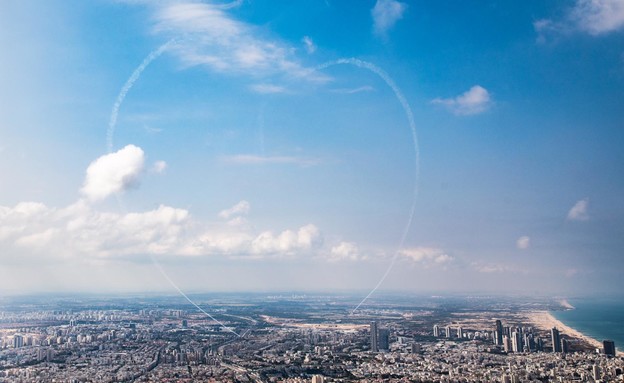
column 598, row 317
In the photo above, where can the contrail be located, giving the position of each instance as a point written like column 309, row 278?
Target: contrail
column 189, row 299
column 410, row 118
column 109, row 143
column 127, row 86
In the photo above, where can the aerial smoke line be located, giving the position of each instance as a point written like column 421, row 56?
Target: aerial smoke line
column 109, row 143
column 350, row 61
column 410, row 118
column 189, row 299
column 126, row 88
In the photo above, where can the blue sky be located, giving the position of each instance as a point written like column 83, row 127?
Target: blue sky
column 246, row 156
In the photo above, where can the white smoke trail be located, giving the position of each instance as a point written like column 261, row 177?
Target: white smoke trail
column 126, row 88
column 109, row 143
column 410, row 118
column 162, row 271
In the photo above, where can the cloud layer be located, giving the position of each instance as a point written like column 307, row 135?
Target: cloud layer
column 427, row 256
column 80, row 231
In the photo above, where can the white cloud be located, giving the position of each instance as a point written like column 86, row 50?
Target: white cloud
column 159, row 167
column 287, row 242
column 113, row 173
column 598, row 16
column 344, row 251
column 595, row 17
column 523, row 242
column 385, row 14
column 309, row 44
column 241, row 208
column 251, row 159
column 578, row 212
column 427, row 256
column 218, row 41
column 268, row 89
column 80, row 232
column 474, row 101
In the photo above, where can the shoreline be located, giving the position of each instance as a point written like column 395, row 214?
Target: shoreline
column 544, row 320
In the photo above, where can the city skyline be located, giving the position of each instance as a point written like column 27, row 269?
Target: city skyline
column 257, row 146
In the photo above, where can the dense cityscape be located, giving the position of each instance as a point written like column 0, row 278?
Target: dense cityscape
column 294, row 338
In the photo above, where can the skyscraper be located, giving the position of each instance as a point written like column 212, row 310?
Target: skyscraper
column 449, row 332
column 436, row 330
column 374, row 345
column 460, row 332
column 556, row 340
column 499, row 332
column 516, row 341
column 609, row 347
column 18, row 341
column 565, row 348
column 383, row 339
column 507, row 344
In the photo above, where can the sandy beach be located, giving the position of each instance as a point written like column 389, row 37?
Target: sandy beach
column 546, row 321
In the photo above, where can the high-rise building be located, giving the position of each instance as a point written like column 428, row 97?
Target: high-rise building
column 565, row 347
column 516, row 341
column 596, row 372
column 383, row 339
column 436, row 330
column 18, row 341
column 416, row 348
column 499, row 332
column 609, row 347
column 460, row 332
column 318, row 379
column 374, row 345
column 556, row 340
column 506, row 343
column 449, row 332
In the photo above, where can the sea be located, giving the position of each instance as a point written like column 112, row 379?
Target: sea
column 597, row 317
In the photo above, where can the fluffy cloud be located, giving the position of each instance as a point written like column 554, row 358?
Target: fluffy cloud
column 385, row 14
column 79, row 231
column 344, row 251
column 113, row 173
column 578, row 212
column 427, row 256
column 287, row 242
column 595, row 17
column 598, row 16
column 218, row 41
column 474, row 101
column 523, row 242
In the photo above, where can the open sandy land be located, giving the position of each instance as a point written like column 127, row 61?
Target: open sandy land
column 545, row 321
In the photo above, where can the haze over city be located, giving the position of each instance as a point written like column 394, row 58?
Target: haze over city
column 267, row 146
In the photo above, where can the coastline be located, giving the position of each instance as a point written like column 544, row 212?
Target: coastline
column 544, row 320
